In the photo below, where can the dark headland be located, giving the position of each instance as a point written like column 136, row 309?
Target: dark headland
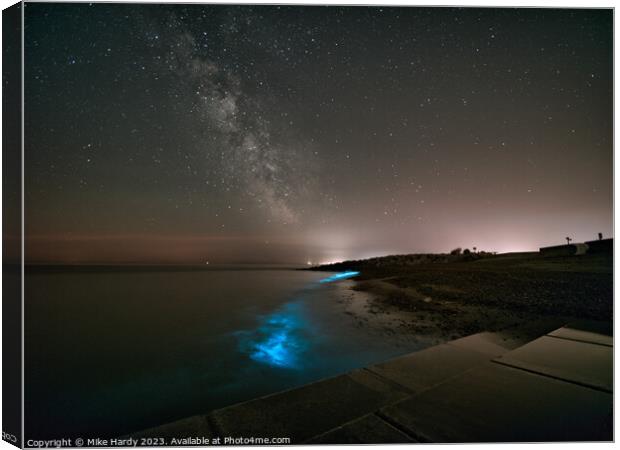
column 453, row 295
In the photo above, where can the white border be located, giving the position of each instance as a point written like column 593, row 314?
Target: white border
column 480, row 3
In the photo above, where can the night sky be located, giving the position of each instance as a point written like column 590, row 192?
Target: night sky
column 232, row 134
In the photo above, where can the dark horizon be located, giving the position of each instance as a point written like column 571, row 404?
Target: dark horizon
column 265, row 263
column 180, row 134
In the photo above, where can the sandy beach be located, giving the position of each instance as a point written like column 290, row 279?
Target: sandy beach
column 438, row 297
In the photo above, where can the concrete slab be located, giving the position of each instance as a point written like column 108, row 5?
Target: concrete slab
column 492, row 344
column 583, row 336
column 497, row 343
column 310, row 410
column 592, row 332
column 369, row 429
column 574, row 361
column 494, row 403
column 594, row 326
column 522, row 333
column 421, row 370
column 196, row 426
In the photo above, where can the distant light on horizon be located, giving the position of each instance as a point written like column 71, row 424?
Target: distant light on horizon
column 334, row 261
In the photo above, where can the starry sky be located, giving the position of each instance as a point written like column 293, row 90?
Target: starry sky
column 268, row 134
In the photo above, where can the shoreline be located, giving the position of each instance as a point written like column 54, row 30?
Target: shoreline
column 449, row 300
column 391, row 311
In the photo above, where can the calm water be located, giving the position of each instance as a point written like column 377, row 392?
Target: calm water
column 110, row 353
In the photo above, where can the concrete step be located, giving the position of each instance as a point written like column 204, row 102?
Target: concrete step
column 555, row 388
column 578, row 362
column 589, row 331
column 495, row 403
column 194, row 426
column 421, row 370
column 369, row 429
column 310, row 410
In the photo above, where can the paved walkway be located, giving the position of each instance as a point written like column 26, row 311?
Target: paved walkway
column 544, row 382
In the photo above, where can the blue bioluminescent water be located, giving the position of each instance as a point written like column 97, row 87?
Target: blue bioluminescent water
column 280, row 340
column 339, row 276
column 233, row 335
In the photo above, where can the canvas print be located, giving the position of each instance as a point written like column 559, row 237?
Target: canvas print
column 306, row 224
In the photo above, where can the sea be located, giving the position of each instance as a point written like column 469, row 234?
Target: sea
column 114, row 351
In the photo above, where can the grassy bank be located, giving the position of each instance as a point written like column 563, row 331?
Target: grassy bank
column 455, row 295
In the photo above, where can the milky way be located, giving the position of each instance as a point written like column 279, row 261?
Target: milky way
column 193, row 133
column 237, row 138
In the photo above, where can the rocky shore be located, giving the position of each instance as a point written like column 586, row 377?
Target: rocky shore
column 450, row 297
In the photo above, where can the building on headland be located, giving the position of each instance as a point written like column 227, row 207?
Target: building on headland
column 601, row 246
column 564, row 250
column 598, row 246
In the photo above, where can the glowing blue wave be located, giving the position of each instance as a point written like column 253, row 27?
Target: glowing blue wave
column 339, row 276
column 281, row 340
